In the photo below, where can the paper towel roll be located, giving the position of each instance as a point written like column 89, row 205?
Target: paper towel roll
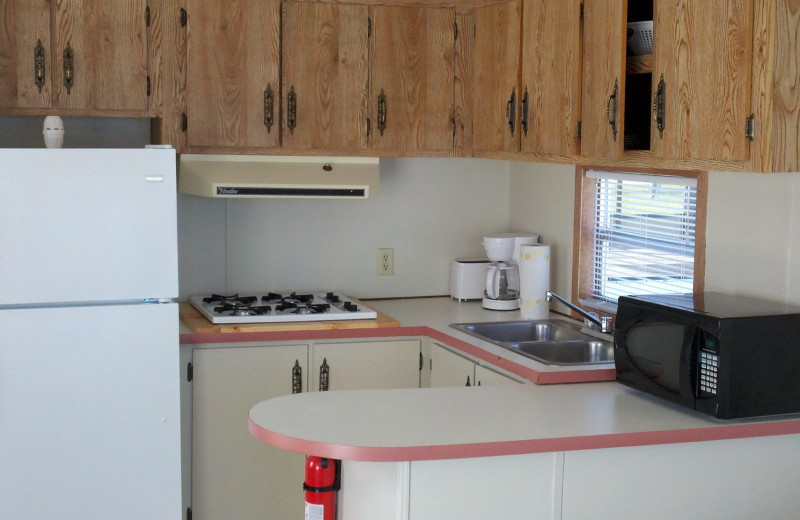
column 534, row 281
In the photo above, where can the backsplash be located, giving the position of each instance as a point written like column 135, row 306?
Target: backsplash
column 428, row 210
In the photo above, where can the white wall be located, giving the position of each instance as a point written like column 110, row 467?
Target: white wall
column 541, row 199
column 752, row 247
column 429, row 210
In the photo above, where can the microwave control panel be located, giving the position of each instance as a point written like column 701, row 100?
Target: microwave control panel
column 709, row 364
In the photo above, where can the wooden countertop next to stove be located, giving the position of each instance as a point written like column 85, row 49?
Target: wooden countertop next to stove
column 198, row 324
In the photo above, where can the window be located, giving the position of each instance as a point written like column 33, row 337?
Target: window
column 638, row 233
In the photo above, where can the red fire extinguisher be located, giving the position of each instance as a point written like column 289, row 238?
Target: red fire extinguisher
column 323, row 480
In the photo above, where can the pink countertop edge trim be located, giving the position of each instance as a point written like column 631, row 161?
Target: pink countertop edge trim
column 494, row 449
column 535, row 376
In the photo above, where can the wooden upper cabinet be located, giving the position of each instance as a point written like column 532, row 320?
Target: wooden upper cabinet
column 704, row 53
column 551, row 76
column 325, row 75
column 603, row 78
column 95, row 57
column 411, row 79
column 496, row 78
column 233, row 64
column 24, row 34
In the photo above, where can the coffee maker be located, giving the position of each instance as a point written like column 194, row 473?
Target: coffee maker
column 502, row 275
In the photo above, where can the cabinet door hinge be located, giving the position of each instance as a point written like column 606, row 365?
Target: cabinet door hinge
column 147, row 16
column 188, row 513
column 369, row 27
column 189, row 372
column 148, row 86
column 183, row 17
column 184, row 122
column 578, row 135
column 750, row 127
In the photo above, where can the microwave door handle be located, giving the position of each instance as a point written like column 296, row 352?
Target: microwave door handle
column 687, row 371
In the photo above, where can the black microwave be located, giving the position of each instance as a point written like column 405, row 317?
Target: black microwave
column 726, row 356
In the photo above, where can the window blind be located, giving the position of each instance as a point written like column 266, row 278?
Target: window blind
column 644, row 235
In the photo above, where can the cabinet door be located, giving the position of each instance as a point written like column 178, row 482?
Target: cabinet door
column 108, row 63
column 412, row 78
column 450, row 369
column 704, row 52
column 24, row 29
column 496, row 72
column 233, row 474
column 367, row 365
column 486, row 376
column 551, row 76
column 603, row 78
column 233, row 54
column 324, row 77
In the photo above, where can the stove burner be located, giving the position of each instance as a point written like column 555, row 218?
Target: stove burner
column 241, row 307
column 297, row 307
column 216, row 298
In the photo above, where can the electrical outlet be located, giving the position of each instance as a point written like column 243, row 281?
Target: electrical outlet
column 386, row 261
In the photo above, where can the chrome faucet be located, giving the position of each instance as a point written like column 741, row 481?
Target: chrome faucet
column 591, row 319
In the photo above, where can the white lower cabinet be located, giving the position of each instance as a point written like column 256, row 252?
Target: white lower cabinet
column 234, row 475
column 486, row 376
column 366, row 365
column 451, row 369
column 715, row 480
column 521, row 486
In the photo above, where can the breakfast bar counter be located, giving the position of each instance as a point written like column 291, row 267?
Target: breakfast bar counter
column 577, row 451
column 461, row 422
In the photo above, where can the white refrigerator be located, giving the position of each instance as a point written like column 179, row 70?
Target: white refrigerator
column 89, row 370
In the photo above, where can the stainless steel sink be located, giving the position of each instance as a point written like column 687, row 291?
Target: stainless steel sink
column 553, row 342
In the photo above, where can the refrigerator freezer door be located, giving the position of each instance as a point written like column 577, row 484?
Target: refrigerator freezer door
column 89, row 413
column 87, row 225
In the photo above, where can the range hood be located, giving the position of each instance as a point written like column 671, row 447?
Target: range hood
column 261, row 176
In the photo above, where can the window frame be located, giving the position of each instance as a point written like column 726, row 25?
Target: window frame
column 583, row 231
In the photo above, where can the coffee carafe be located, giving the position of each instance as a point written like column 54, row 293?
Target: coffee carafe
column 502, row 275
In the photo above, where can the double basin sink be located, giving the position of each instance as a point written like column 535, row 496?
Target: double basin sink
column 553, row 342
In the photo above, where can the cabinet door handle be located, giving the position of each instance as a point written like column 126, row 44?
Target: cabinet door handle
column 511, row 107
column 468, row 383
column 659, row 110
column 69, row 67
column 291, row 110
column 297, row 377
column 269, row 108
column 523, row 112
column 38, row 65
column 381, row 112
column 611, row 116
column 324, row 373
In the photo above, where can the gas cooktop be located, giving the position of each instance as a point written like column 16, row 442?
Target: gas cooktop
column 276, row 308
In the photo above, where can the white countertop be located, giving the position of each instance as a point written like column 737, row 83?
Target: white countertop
column 432, row 316
column 464, row 422
column 441, row 423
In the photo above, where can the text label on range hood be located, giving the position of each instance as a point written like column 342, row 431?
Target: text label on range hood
column 223, row 176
